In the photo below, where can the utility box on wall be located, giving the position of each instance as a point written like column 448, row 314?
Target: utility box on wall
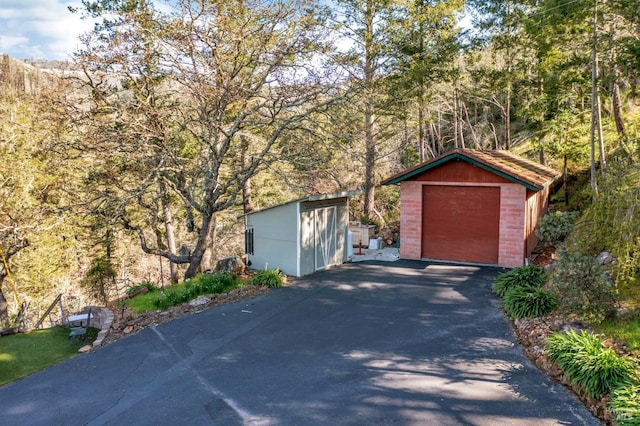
column 361, row 233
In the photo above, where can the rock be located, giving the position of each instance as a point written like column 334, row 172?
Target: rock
column 231, row 265
column 128, row 329
column 604, row 257
column 551, row 267
column 85, row 349
column 200, row 300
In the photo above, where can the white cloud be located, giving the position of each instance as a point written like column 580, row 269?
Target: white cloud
column 40, row 29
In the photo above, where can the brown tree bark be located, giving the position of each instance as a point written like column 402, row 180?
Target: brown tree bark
column 369, row 121
column 169, row 230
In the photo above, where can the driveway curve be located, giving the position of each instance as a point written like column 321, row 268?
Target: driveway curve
column 407, row 343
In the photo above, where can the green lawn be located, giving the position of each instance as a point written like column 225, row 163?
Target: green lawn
column 26, row 353
column 624, row 329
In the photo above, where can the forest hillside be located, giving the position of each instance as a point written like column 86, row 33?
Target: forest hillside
column 134, row 161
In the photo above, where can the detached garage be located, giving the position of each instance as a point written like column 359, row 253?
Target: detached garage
column 472, row 206
column 301, row 236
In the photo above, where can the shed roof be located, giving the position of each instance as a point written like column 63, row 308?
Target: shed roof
column 313, row 197
column 512, row 167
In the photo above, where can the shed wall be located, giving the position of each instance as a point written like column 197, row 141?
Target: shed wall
column 307, row 232
column 275, row 238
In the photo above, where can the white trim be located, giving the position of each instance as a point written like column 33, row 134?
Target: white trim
column 298, row 239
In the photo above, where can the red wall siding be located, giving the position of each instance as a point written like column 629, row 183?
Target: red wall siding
column 459, row 171
column 537, row 206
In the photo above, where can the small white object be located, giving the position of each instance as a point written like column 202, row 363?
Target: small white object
column 373, row 244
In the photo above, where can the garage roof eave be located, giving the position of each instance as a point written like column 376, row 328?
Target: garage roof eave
column 484, row 160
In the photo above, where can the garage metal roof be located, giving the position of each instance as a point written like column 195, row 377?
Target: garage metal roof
column 312, row 197
column 512, row 167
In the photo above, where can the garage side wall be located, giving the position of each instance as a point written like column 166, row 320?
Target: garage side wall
column 537, row 206
column 410, row 219
column 511, row 251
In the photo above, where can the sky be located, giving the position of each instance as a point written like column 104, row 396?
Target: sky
column 40, row 29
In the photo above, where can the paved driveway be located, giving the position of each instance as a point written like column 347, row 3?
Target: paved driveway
column 405, row 343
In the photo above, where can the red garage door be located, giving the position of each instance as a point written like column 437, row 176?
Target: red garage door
column 461, row 223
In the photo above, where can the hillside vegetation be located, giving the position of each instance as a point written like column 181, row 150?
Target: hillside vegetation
column 134, row 161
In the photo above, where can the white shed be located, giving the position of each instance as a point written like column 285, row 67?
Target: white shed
column 301, row 236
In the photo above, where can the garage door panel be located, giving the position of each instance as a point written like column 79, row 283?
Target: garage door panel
column 461, row 223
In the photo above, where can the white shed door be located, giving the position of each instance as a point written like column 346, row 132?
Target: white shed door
column 325, row 237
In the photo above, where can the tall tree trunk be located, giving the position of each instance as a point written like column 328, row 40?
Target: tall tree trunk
column 565, row 172
column 594, row 98
column 616, row 104
column 370, row 163
column 369, row 122
column 455, row 119
column 169, row 230
column 421, row 132
column 507, row 117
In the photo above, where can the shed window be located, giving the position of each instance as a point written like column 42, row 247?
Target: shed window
column 248, row 241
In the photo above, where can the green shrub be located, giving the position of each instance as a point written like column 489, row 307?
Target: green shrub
column 528, row 302
column 587, row 362
column 144, row 284
column 190, row 289
column 625, row 404
column 526, row 276
column 556, row 227
column 214, row 283
column 271, row 278
column 582, row 289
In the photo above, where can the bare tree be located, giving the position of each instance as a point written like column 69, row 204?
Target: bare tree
column 173, row 101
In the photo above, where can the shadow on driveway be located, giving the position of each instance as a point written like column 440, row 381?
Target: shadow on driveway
column 368, row 343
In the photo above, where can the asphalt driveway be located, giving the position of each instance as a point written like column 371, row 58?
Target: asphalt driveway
column 406, row 343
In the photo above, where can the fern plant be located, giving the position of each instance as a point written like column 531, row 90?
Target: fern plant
column 625, row 404
column 525, row 276
column 587, row 362
column 529, row 302
column 271, row 278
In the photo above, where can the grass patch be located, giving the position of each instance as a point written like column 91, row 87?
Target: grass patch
column 143, row 303
column 26, row 353
column 624, row 329
column 201, row 284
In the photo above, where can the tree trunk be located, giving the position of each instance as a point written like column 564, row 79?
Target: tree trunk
column 4, row 306
column 170, row 231
column 594, row 97
column 455, row 119
column 507, row 118
column 369, row 138
column 421, row 132
column 370, row 163
column 565, row 171
column 203, row 252
column 247, row 202
column 616, row 104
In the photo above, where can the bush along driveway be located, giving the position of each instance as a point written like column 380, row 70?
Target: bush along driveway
column 367, row 343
